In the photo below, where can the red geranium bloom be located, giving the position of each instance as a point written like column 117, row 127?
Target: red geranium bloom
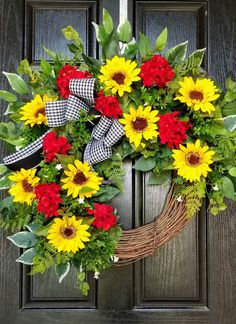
column 108, row 106
column 104, row 217
column 67, row 73
column 53, row 144
column 48, row 197
column 156, row 72
column 172, row 130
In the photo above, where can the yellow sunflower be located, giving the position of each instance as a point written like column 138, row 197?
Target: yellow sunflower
column 118, row 75
column 81, row 180
column 23, row 189
column 140, row 124
column 199, row 94
column 68, row 234
column 193, row 161
column 34, row 111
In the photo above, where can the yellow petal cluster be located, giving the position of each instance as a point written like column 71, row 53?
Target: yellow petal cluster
column 68, row 234
column 118, row 75
column 140, row 125
column 193, row 161
column 198, row 94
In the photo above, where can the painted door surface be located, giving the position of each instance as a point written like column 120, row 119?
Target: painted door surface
column 192, row 278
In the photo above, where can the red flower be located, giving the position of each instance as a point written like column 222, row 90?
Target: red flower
column 172, row 130
column 53, row 144
column 67, row 73
column 108, row 106
column 48, row 197
column 156, row 72
column 104, row 217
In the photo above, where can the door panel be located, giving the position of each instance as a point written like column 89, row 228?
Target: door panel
column 189, row 280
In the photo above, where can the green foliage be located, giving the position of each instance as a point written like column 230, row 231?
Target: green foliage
column 194, row 60
column 17, row 83
column 48, row 172
column 106, row 193
column 41, row 263
column 7, row 96
column 143, row 164
column 161, row 40
column 124, row 31
column 10, row 134
column 112, row 169
column 192, row 196
column 177, row 54
column 24, row 67
column 24, row 239
column 27, row 257
column 144, row 46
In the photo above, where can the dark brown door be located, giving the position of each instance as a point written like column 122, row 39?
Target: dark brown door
column 191, row 279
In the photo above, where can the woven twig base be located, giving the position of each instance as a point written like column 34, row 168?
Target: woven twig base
column 138, row 243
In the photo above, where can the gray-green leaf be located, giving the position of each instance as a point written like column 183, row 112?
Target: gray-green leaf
column 23, row 239
column 177, row 54
column 27, row 257
column 145, row 164
column 17, row 83
column 144, row 45
column 124, row 31
column 230, row 122
column 62, row 270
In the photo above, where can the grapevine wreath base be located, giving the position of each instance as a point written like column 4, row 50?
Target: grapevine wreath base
column 138, row 243
column 72, row 123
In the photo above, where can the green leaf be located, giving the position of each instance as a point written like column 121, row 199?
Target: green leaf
column 5, row 183
column 13, row 107
column 32, row 227
column 228, row 188
column 23, row 239
column 17, row 83
column 127, row 149
column 7, row 96
column 230, row 122
column 43, row 230
column 93, row 63
column 24, row 67
column 9, row 134
column 7, row 207
column 158, row 179
column 27, row 257
column 144, row 45
column 232, row 172
column 86, row 189
column 107, row 22
column 161, row 40
column 101, row 34
column 143, row 164
column 62, row 270
column 46, row 67
column 177, row 54
column 131, row 49
column 50, row 53
column 3, row 169
column 84, row 288
column 65, row 160
column 124, row 31
column 110, row 47
column 229, row 109
column 106, row 193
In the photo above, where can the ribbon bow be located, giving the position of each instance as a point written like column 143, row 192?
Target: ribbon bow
column 105, row 134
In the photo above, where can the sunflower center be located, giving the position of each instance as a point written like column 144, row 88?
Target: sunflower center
column 193, row 159
column 79, row 178
column 119, row 77
column 27, row 186
column 40, row 111
column 68, row 232
column 139, row 124
column 194, row 94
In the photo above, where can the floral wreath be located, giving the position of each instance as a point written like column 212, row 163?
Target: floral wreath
column 74, row 121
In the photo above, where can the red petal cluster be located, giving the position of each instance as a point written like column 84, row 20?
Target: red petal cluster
column 67, row 73
column 108, row 106
column 104, row 217
column 48, row 197
column 172, row 130
column 53, row 144
column 156, row 72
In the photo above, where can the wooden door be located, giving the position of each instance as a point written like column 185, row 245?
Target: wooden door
column 191, row 279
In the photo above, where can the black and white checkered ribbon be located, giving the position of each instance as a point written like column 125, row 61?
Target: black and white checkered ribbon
column 105, row 134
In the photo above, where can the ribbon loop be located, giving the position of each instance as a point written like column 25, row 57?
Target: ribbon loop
column 84, row 88
column 102, row 127
column 55, row 112
column 74, row 107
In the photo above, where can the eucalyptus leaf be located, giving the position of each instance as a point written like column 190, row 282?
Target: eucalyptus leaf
column 62, row 270
column 124, row 31
column 7, row 96
column 161, row 40
column 107, row 22
column 17, row 83
column 27, row 257
column 143, row 164
column 23, row 239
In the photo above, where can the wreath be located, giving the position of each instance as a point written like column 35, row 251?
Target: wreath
column 72, row 123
